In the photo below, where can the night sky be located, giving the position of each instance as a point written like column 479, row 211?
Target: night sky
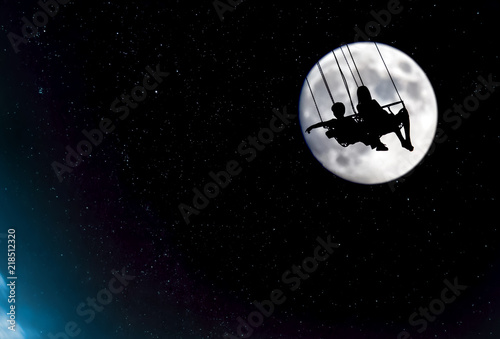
column 113, row 222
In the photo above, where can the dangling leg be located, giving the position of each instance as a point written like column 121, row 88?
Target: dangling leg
column 371, row 137
column 388, row 123
column 380, row 146
column 404, row 118
column 391, row 124
column 400, row 136
column 375, row 143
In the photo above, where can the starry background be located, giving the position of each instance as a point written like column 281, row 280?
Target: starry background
column 119, row 207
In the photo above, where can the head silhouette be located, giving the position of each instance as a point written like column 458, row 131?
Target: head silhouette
column 364, row 94
column 338, row 110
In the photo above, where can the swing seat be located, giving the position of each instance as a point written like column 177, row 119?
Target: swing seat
column 331, row 133
column 351, row 132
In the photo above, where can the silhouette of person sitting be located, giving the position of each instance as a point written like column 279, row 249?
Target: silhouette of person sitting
column 345, row 129
column 340, row 123
column 380, row 122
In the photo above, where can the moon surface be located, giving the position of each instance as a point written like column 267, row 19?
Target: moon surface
column 357, row 162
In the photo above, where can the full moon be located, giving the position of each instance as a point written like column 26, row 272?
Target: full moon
column 357, row 162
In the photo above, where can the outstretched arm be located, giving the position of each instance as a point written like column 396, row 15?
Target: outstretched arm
column 319, row 124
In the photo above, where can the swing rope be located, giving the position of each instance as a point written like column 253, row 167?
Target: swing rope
column 315, row 104
column 324, row 80
column 357, row 70
column 348, row 65
column 389, row 73
column 345, row 82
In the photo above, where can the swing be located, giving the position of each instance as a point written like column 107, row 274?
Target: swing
column 402, row 118
column 343, row 138
column 360, row 128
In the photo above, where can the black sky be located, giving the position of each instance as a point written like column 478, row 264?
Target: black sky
column 119, row 207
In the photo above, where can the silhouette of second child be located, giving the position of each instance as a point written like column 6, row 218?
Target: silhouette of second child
column 380, row 122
